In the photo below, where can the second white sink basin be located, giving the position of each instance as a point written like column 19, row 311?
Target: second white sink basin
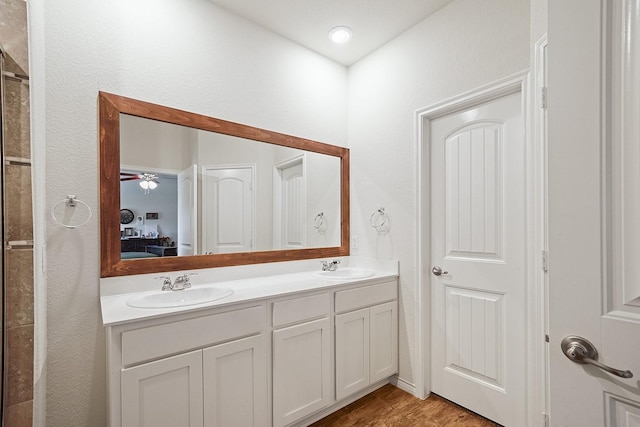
column 190, row 296
column 346, row 273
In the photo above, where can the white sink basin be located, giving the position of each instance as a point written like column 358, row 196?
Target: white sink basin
column 190, row 296
column 346, row 273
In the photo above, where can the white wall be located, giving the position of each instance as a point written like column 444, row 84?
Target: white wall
column 467, row 44
column 186, row 54
column 323, row 195
column 155, row 145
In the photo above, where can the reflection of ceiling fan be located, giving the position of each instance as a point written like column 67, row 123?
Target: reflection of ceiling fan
column 148, row 181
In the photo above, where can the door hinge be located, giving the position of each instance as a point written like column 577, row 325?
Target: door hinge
column 546, row 338
column 546, row 419
column 545, row 267
column 543, row 97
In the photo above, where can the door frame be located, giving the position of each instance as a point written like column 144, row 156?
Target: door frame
column 539, row 140
column 204, row 227
column 535, row 384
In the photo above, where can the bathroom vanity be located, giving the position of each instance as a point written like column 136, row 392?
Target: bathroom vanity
column 283, row 349
column 255, row 341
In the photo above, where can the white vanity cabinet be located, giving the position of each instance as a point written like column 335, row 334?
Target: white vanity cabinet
column 235, row 383
column 285, row 354
column 157, row 379
column 366, row 336
column 166, row 392
column 301, row 357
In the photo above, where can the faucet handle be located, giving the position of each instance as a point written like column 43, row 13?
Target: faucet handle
column 325, row 265
column 182, row 281
column 166, row 282
column 187, row 280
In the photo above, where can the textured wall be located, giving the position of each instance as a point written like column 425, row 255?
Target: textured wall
column 186, row 54
column 466, row 44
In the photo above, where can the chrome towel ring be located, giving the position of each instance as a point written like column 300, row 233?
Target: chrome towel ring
column 379, row 220
column 320, row 223
column 71, row 202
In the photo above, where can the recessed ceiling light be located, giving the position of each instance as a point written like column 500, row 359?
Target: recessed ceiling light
column 340, row 34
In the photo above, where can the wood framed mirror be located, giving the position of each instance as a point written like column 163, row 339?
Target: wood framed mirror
column 117, row 112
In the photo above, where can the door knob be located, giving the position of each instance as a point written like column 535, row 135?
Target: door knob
column 437, row 271
column 579, row 350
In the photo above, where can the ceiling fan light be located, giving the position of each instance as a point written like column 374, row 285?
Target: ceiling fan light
column 144, row 184
column 152, row 185
column 340, row 34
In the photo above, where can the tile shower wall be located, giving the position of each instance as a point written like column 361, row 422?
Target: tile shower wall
column 17, row 219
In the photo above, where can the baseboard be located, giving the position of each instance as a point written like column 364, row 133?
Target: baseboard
column 404, row 385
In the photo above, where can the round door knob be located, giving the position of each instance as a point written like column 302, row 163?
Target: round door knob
column 437, row 271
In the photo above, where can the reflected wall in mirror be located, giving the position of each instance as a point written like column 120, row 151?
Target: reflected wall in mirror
column 205, row 192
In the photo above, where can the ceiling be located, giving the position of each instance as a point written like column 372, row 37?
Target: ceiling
column 307, row 22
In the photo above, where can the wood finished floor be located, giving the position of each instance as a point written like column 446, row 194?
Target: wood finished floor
column 391, row 407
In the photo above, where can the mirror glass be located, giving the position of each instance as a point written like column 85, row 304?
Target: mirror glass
column 249, row 196
column 190, row 191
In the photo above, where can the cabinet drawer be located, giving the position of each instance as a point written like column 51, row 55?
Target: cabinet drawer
column 366, row 296
column 156, row 341
column 300, row 309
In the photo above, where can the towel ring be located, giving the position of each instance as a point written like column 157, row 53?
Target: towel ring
column 318, row 221
column 72, row 202
column 379, row 220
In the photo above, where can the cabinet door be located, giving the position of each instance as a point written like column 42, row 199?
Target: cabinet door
column 384, row 340
column 301, row 370
column 166, row 392
column 352, row 352
column 235, row 383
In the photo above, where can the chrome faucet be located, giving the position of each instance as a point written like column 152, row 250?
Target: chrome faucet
column 182, row 282
column 330, row 266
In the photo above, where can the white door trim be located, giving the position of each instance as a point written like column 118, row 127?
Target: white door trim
column 539, row 294
column 518, row 82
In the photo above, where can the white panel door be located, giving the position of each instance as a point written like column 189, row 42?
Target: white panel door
column 228, row 209
column 352, row 352
column 594, row 208
column 188, row 211
column 235, row 383
column 478, row 239
column 301, row 371
column 164, row 393
column 290, row 205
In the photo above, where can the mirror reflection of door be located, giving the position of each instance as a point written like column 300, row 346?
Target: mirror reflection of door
column 187, row 211
column 228, row 209
column 290, row 204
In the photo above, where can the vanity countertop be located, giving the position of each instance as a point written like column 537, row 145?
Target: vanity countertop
column 250, row 286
